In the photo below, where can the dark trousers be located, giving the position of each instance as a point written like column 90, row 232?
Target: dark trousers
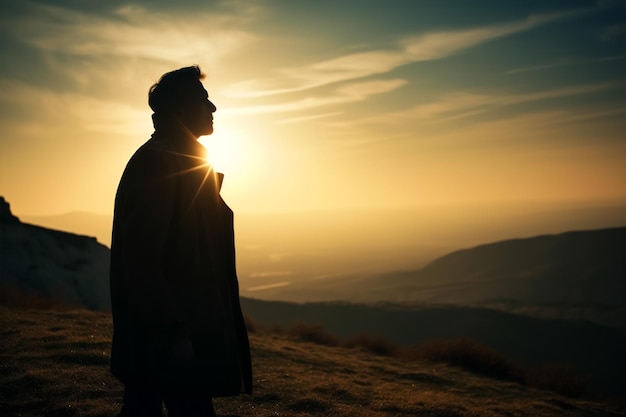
column 147, row 402
column 182, row 395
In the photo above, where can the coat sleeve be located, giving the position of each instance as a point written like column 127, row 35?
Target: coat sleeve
column 146, row 207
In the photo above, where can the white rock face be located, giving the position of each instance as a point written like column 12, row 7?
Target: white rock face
column 66, row 267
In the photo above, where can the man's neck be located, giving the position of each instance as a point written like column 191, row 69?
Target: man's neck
column 170, row 126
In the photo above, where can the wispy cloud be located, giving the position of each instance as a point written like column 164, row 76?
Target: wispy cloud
column 348, row 93
column 131, row 33
column 478, row 109
column 60, row 110
column 104, row 63
column 465, row 104
column 269, row 286
column 309, row 117
column 565, row 63
column 548, row 127
column 614, row 31
column 407, row 50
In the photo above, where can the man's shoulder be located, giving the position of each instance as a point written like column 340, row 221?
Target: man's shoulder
column 150, row 158
column 152, row 147
column 152, row 150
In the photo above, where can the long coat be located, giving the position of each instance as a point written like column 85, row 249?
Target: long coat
column 173, row 272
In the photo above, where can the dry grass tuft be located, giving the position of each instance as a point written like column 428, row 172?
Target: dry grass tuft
column 469, row 355
column 313, row 333
column 371, row 343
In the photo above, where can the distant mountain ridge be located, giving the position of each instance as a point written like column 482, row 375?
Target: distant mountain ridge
column 571, row 275
column 591, row 263
column 579, row 275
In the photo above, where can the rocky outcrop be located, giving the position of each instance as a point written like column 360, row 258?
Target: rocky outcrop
column 5, row 213
column 68, row 268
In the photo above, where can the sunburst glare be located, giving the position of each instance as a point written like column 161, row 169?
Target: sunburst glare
column 232, row 153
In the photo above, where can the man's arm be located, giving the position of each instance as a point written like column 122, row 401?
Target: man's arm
column 148, row 209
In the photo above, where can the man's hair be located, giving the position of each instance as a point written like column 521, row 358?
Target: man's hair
column 175, row 89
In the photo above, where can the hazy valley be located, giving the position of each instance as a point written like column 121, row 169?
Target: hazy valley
column 578, row 276
column 400, row 256
column 275, row 251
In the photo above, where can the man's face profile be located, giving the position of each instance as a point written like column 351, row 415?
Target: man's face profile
column 199, row 113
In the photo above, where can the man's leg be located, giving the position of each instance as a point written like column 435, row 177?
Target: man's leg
column 188, row 404
column 141, row 402
column 183, row 397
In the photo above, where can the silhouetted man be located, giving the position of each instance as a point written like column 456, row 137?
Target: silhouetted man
column 179, row 337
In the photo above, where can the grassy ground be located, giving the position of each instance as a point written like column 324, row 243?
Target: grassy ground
column 55, row 363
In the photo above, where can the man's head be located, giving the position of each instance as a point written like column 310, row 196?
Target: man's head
column 179, row 96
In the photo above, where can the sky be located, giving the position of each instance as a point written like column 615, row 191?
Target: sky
column 322, row 105
column 325, row 105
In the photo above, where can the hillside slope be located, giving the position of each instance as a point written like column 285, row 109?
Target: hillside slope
column 590, row 348
column 55, row 363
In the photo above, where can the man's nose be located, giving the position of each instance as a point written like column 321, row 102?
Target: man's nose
column 211, row 106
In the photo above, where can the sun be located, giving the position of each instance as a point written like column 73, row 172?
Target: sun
column 223, row 149
column 231, row 152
